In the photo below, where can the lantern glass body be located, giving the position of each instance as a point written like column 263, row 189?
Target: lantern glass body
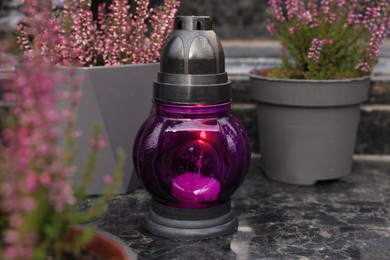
column 191, row 156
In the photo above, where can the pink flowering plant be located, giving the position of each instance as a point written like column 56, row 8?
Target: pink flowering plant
column 328, row 39
column 38, row 202
column 116, row 37
column 37, row 197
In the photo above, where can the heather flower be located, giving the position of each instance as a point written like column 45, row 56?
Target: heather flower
column 295, row 8
column 36, row 170
column 117, row 37
column 32, row 149
column 312, row 7
column 36, row 179
column 326, row 9
column 316, row 47
column 363, row 66
column 101, row 143
column 107, row 179
column 271, row 28
column 309, row 19
column 277, row 11
column 377, row 37
column 329, row 39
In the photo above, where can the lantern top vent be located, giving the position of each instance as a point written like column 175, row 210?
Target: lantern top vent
column 192, row 67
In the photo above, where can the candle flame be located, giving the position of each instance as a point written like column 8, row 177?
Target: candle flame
column 203, row 135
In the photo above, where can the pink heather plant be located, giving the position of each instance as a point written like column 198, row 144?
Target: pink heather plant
column 37, row 199
column 33, row 174
column 117, row 37
column 329, row 39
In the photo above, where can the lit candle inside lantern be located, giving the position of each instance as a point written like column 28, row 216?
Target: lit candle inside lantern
column 192, row 186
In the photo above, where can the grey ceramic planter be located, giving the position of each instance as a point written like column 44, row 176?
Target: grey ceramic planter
column 307, row 128
column 119, row 99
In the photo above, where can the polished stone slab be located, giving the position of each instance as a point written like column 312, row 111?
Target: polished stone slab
column 380, row 91
column 374, row 131
column 343, row 219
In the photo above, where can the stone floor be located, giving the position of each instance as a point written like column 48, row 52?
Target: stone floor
column 342, row 219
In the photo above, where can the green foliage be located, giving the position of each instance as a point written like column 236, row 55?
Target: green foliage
column 55, row 226
column 337, row 60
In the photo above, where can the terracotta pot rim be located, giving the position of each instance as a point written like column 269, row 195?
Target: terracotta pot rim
column 259, row 77
column 103, row 235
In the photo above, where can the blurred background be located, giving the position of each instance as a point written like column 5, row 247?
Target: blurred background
column 232, row 19
column 241, row 25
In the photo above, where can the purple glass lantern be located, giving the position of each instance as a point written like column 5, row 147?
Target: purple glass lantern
column 191, row 154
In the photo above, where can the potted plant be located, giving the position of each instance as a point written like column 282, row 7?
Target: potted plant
column 37, row 200
column 116, row 55
column 309, row 108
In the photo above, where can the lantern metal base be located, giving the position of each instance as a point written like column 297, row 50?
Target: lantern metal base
column 191, row 224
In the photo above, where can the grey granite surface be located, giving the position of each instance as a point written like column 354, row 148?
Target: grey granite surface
column 374, row 131
column 342, row 219
column 380, row 91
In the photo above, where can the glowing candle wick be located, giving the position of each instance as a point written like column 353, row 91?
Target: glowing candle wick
column 199, row 162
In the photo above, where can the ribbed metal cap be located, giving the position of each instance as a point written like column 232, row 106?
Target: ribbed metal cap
column 192, row 64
